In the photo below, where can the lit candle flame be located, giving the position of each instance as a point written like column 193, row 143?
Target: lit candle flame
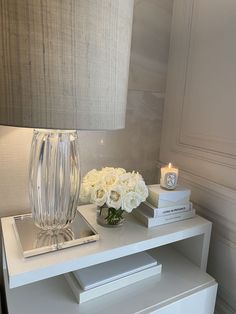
column 170, row 165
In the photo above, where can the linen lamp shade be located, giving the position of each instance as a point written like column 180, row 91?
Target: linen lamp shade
column 64, row 64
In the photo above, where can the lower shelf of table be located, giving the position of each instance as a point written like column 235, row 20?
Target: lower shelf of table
column 180, row 279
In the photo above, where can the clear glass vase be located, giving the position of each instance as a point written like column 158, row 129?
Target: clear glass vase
column 110, row 217
column 54, row 178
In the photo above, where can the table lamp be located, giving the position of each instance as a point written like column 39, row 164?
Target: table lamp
column 64, row 67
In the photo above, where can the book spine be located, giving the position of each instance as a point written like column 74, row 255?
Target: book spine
column 152, row 198
column 163, row 211
column 152, row 222
column 140, row 216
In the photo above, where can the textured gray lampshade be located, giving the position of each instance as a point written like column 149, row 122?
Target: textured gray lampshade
column 64, row 63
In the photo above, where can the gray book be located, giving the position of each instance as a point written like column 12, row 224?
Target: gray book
column 157, row 221
column 86, row 295
column 153, row 211
column 100, row 274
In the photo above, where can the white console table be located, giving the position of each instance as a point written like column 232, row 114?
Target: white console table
column 38, row 285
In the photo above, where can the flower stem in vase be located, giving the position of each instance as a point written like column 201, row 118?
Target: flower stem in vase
column 109, row 216
column 114, row 216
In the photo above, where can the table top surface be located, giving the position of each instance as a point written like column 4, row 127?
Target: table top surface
column 132, row 237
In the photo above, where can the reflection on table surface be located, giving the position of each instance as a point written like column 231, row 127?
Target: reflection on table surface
column 36, row 241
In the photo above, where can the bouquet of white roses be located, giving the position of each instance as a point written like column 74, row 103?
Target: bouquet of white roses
column 114, row 188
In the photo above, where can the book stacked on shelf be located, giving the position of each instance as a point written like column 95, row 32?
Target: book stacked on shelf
column 165, row 206
column 94, row 281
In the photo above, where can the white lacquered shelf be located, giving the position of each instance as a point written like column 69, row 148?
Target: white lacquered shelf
column 179, row 279
column 131, row 238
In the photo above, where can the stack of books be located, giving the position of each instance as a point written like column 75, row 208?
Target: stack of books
column 94, row 281
column 165, row 206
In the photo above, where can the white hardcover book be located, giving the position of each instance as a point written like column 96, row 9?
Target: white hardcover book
column 86, row 295
column 100, row 274
column 153, row 222
column 152, row 211
column 159, row 197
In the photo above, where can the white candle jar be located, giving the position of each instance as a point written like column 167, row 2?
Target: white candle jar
column 169, row 177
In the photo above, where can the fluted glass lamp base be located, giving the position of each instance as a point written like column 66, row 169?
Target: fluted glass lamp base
column 54, row 178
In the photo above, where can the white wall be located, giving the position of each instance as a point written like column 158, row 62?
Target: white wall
column 199, row 129
column 136, row 147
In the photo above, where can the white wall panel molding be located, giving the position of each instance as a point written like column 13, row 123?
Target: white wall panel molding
column 198, row 127
column 201, row 89
column 211, row 156
column 199, row 130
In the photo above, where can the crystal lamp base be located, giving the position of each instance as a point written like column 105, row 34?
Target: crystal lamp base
column 54, row 178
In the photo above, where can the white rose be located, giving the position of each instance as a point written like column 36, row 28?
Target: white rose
column 114, row 198
column 137, row 176
column 85, row 190
column 120, row 171
column 107, row 169
column 92, row 177
column 128, row 181
column 142, row 190
column 109, row 179
column 98, row 195
column 130, row 201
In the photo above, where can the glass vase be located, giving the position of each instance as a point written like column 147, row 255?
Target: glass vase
column 110, row 217
column 54, row 178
